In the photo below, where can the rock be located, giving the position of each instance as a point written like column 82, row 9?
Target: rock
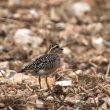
column 14, row 77
column 2, row 73
column 71, row 99
column 79, row 8
column 10, row 73
column 50, row 98
column 20, row 93
column 55, row 2
column 14, row 2
column 98, row 42
column 18, row 53
column 2, row 105
column 66, row 51
column 60, row 26
column 53, row 15
column 95, row 27
column 4, row 65
column 2, row 48
column 33, row 12
column 100, row 60
column 64, row 83
column 27, row 37
column 107, row 100
column 39, row 104
column 78, row 72
column 72, row 75
column 103, row 107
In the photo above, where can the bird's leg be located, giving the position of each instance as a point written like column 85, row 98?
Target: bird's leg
column 47, row 82
column 39, row 81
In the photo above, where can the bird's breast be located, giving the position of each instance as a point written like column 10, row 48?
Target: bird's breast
column 42, row 72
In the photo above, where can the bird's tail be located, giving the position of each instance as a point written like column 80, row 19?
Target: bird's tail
column 22, row 70
column 26, row 68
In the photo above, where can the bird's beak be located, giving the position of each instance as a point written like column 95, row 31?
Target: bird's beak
column 61, row 49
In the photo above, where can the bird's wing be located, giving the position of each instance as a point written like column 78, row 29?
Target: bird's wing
column 43, row 62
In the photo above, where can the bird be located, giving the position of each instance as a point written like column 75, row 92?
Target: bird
column 46, row 64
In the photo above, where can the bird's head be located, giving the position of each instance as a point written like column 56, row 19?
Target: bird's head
column 55, row 48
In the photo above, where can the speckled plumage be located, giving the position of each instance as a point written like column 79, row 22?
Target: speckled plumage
column 46, row 64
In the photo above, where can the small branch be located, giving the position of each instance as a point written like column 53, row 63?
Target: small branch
column 108, row 71
column 104, row 90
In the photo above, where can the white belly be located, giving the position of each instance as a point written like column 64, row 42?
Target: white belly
column 42, row 72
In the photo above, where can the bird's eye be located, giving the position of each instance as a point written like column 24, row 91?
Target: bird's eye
column 53, row 46
column 56, row 46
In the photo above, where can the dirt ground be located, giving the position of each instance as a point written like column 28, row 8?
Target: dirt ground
column 82, row 28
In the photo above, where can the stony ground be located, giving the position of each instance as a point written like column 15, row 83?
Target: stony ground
column 81, row 27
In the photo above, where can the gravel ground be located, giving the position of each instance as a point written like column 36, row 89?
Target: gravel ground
column 81, row 27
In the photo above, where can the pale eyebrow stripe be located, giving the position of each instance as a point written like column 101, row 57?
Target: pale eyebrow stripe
column 53, row 47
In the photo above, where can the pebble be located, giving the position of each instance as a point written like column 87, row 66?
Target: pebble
column 4, row 65
column 79, row 72
column 60, row 26
column 27, row 37
column 2, row 73
column 66, row 51
column 50, row 98
column 95, row 27
column 39, row 104
column 14, row 77
column 2, row 48
column 79, row 8
column 71, row 99
column 14, row 2
column 107, row 100
column 64, row 83
column 98, row 42
column 72, row 74
column 2, row 105
column 10, row 73
column 33, row 12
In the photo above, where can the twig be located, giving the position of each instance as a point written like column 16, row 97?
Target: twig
column 17, row 20
column 104, row 89
column 10, row 108
column 68, row 44
column 108, row 70
column 29, row 88
column 95, row 103
column 2, row 74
